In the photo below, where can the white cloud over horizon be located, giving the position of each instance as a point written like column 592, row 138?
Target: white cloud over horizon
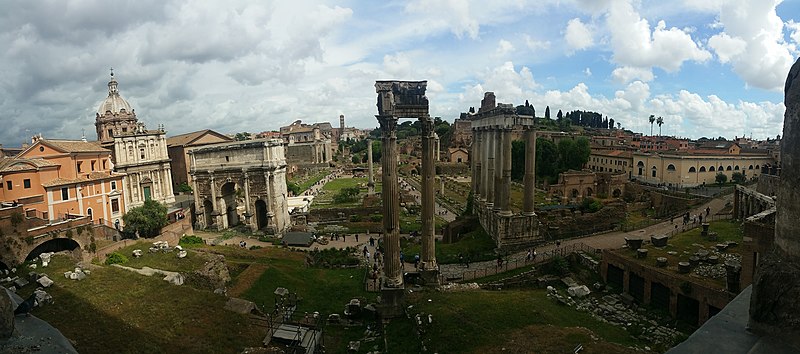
column 254, row 66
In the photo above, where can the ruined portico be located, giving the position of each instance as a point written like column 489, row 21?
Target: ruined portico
column 404, row 99
column 491, row 174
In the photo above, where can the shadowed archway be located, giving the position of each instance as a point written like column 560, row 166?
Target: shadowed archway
column 54, row 245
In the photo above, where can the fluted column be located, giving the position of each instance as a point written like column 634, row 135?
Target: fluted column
column 505, row 186
column 491, row 150
column 477, row 165
column 393, row 270
column 530, row 172
column 371, row 181
column 498, row 169
column 214, row 200
column 428, row 192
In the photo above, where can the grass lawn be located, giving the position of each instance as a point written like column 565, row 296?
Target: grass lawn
column 325, row 198
column 305, row 183
column 488, row 321
column 163, row 261
column 476, row 245
column 117, row 311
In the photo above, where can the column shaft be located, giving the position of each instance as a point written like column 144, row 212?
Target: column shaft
column 491, row 151
column 214, row 201
column 371, row 182
column 477, row 165
column 498, row 169
column 428, row 192
column 530, row 171
column 505, row 186
column 393, row 270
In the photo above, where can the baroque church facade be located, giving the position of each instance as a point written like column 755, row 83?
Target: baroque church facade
column 139, row 153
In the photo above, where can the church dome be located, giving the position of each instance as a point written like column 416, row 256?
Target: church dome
column 114, row 102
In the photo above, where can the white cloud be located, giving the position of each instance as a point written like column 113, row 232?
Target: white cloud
column 753, row 42
column 534, row 44
column 635, row 44
column 504, row 47
column 587, row 72
column 726, row 46
column 397, row 65
column 578, row 35
column 627, row 74
column 795, row 27
column 454, row 14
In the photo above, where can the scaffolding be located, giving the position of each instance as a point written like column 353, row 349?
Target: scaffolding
column 298, row 333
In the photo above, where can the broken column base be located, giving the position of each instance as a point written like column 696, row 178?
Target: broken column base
column 430, row 277
column 774, row 308
column 392, row 302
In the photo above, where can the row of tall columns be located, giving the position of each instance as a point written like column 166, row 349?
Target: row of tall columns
column 393, row 270
column 492, row 169
column 428, row 185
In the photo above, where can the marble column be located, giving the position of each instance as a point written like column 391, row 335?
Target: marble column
column 530, row 172
column 247, row 210
column 491, row 150
column 498, row 169
column 505, row 185
column 371, row 182
column 428, row 192
column 390, row 197
column 214, row 200
column 477, row 164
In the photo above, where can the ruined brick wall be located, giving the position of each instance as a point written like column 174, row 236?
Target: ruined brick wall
column 767, row 184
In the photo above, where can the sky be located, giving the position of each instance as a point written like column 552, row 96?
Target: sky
column 709, row 68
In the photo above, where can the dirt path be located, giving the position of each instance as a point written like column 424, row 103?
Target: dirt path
column 247, row 278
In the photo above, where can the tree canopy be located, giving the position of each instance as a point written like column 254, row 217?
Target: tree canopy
column 147, row 219
column 551, row 158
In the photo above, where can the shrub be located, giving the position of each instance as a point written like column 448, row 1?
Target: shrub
column 184, row 188
column 17, row 218
column 355, row 218
column 191, row 240
column 376, row 218
column 590, row 205
column 116, row 258
column 721, row 178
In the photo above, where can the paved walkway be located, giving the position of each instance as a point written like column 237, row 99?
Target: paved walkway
column 440, row 211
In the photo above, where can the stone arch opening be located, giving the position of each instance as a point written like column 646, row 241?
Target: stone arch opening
column 653, row 171
column 640, row 165
column 750, row 167
column 671, row 168
column 736, row 168
column 261, row 214
column 89, row 213
column 729, row 168
column 589, row 192
column 229, row 199
column 691, row 169
column 702, row 169
column 574, row 193
column 3, row 265
column 712, row 169
column 208, row 208
column 617, row 193
column 54, row 245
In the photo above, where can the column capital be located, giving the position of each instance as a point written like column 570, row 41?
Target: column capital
column 388, row 125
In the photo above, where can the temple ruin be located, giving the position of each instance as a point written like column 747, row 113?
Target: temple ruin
column 404, row 99
column 491, row 174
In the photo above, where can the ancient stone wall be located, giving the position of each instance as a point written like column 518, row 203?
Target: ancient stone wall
column 768, row 184
column 327, row 214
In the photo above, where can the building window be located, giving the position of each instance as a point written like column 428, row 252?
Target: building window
column 691, row 169
column 124, row 130
column 711, row 169
column 65, row 193
column 110, row 133
column 702, row 169
column 79, row 166
column 227, row 159
column 92, row 165
column 729, row 167
column 115, row 206
column 736, row 168
column 671, row 167
column 9, row 186
column 26, row 183
column 104, row 164
column 141, row 154
column 654, row 171
column 113, row 185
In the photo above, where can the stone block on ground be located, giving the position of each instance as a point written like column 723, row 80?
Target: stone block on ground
column 578, row 291
column 45, row 281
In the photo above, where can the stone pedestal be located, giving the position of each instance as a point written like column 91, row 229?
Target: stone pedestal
column 430, row 277
column 391, row 302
